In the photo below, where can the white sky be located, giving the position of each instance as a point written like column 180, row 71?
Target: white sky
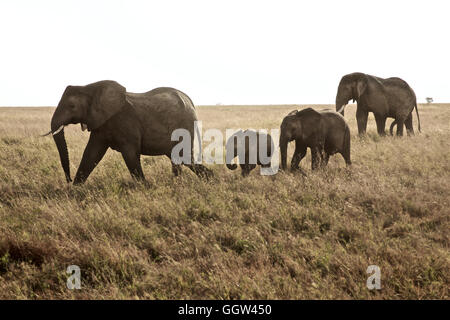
column 232, row 52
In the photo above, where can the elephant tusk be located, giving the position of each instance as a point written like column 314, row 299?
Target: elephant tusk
column 59, row 129
column 51, row 132
column 341, row 109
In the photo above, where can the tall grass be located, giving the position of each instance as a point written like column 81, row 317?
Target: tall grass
column 262, row 237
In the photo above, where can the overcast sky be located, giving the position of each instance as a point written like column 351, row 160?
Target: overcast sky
column 230, row 52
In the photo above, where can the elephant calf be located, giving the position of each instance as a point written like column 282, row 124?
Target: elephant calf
column 249, row 147
column 325, row 133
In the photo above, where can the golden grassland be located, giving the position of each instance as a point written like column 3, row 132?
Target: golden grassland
column 262, row 237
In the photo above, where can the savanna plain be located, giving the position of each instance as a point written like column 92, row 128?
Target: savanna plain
column 286, row 236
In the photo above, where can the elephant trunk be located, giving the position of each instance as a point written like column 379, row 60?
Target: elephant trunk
column 231, row 147
column 340, row 104
column 283, row 150
column 391, row 128
column 342, row 99
column 57, row 128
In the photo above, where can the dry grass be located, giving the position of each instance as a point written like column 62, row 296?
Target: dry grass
column 280, row 237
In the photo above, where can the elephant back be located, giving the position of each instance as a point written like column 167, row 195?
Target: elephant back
column 164, row 107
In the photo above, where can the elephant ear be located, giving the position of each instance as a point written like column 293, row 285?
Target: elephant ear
column 107, row 100
column 361, row 86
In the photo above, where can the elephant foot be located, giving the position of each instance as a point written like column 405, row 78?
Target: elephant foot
column 362, row 135
column 176, row 170
column 299, row 170
column 245, row 173
column 138, row 180
column 202, row 171
column 136, row 183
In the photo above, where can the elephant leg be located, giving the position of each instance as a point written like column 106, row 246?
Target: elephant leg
column 246, row 168
column 315, row 157
column 346, row 154
column 326, row 157
column 409, row 125
column 400, row 123
column 361, row 119
column 132, row 159
column 200, row 170
column 93, row 153
column 323, row 155
column 176, row 169
column 381, row 124
column 299, row 154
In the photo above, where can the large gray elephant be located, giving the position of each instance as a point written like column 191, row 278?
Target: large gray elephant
column 131, row 123
column 386, row 98
column 325, row 133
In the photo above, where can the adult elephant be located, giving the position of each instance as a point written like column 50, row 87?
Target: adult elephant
column 391, row 97
column 131, row 123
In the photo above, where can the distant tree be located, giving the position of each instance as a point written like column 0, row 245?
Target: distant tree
column 429, row 99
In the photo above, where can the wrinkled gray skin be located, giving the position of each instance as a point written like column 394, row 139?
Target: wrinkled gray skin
column 325, row 133
column 238, row 139
column 131, row 123
column 386, row 98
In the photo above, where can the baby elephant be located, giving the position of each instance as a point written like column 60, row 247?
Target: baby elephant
column 252, row 148
column 324, row 132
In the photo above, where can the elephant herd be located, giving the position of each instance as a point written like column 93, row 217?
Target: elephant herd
column 136, row 124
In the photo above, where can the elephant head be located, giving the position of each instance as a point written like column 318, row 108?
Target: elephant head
column 351, row 86
column 300, row 126
column 90, row 105
column 290, row 128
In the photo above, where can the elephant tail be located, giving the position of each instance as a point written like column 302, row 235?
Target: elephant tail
column 417, row 112
column 391, row 129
